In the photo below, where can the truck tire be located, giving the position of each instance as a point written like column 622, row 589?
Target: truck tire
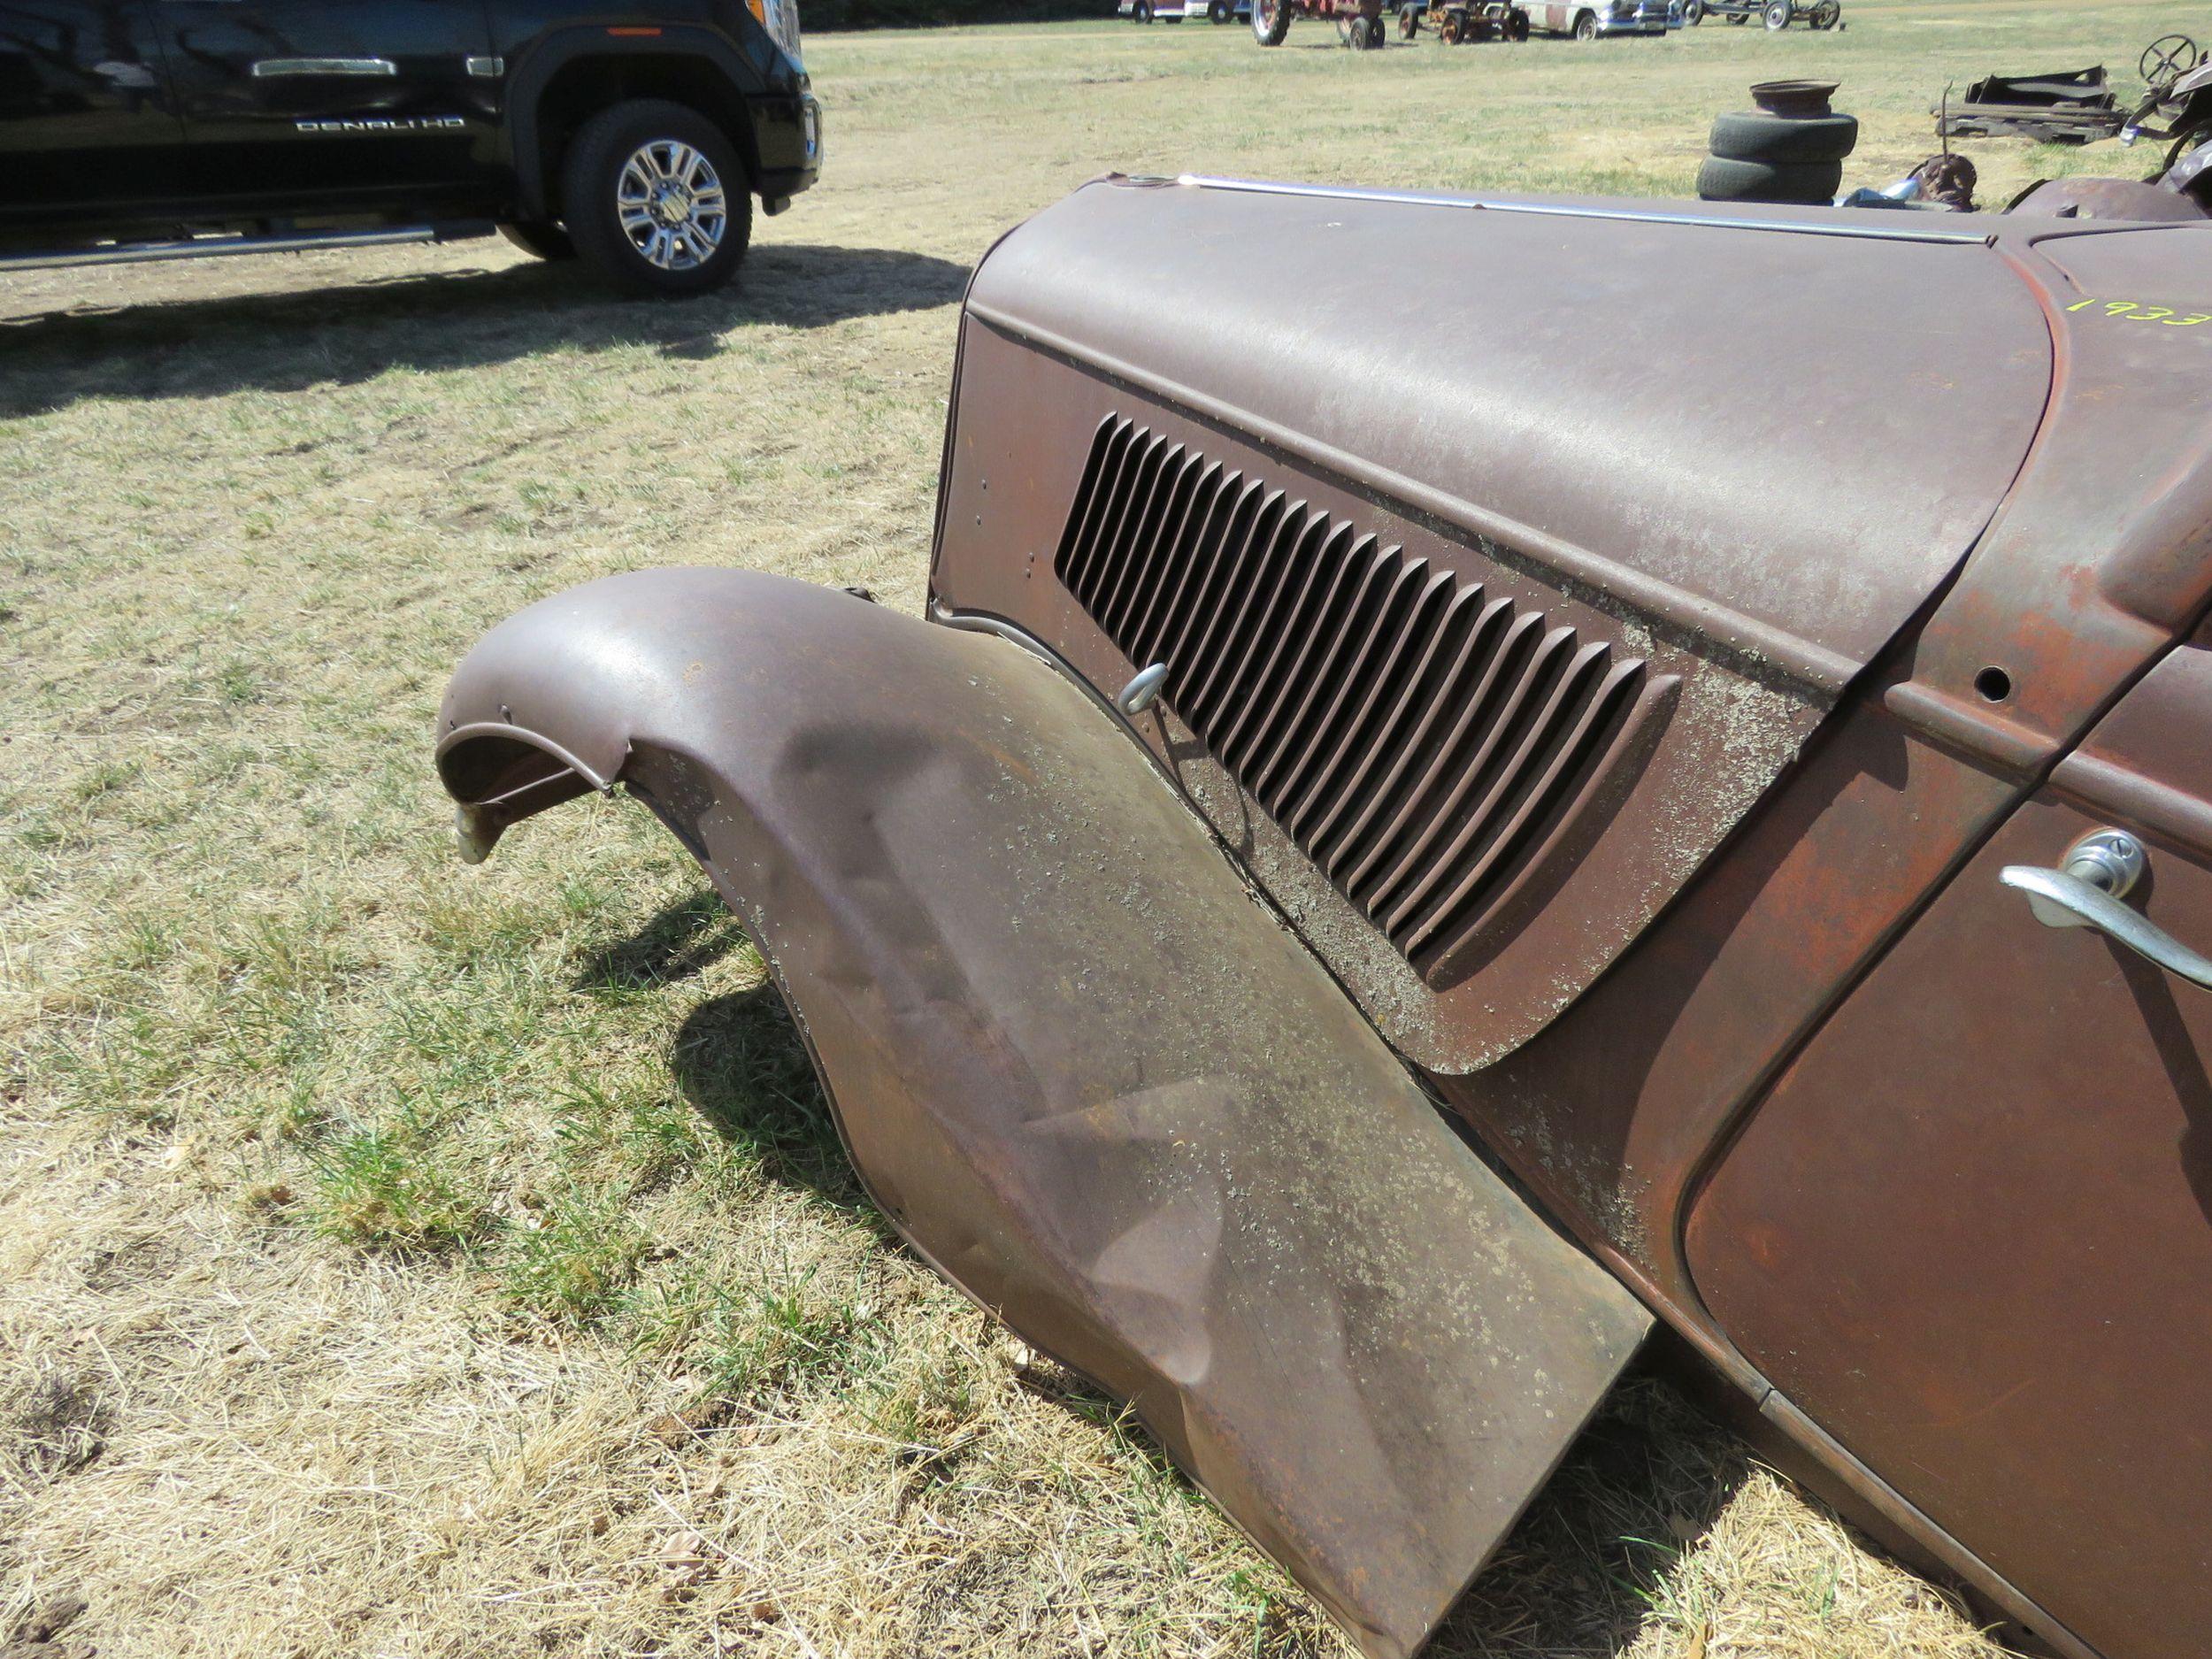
column 1586, row 27
column 1754, row 136
column 1221, row 12
column 1141, row 12
column 655, row 197
column 1806, row 183
column 1692, row 13
column 1777, row 16
column 541, row 239
column 1270, row 22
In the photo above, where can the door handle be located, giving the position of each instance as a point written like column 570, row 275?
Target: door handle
column 273, row 68
column 2086, row 891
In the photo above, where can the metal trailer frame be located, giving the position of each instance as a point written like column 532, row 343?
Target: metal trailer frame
column 1776, row 14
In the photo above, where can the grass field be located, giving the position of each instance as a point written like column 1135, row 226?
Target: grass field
column 401, row 1259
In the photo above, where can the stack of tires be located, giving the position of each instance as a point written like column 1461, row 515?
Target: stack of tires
column 1764, row 156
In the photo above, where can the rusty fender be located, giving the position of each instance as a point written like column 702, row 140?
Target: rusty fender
column 1084, row 1074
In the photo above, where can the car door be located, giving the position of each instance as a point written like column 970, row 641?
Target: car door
column 86, row 123
column 295, row 104
column 1970, row 1230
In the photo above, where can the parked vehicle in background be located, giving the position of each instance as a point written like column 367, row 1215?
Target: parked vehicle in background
column 1176, row 11
column 1776, row 14
column 634, row 135
column 1594, row 19
column 1461, row 22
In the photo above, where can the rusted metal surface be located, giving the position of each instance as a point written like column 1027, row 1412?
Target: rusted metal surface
column 1617, row 505
column 1381, row 581
column 2097, row 558
column 1080, row 1069
column 2066, row 106
column 1949, row 180
column 2128, row 200
column 2045, row 1138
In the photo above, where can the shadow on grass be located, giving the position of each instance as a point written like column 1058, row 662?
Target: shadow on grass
column 1588, row 1566
column 743, row 1066
column 1579, row 1577
column 680, row 942
column 340, row 334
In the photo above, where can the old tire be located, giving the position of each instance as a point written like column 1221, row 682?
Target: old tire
column 1738, row 17
column 655, row 199
column 1516, row 29
column 1806, row 183
column 1826, row 14
column 1367, row 34
column 1777, row 16
column 1785, row 140
column 1409, row 22
column 1141, row 12
column 1221, row 12
column 1270, row 22
column 541, row 239
column 1585, row 29
column 1692, row 13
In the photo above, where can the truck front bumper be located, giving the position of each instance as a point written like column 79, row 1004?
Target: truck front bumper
column 788, row 134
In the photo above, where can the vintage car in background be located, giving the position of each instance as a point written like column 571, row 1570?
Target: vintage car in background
column 1401, row 861
column 1175, row 11
column 1599, row 18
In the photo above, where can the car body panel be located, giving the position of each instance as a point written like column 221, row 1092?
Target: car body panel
column 1080, row 1067
column 86, row 123
column 292, row 100
column 124, row 118
column 1968, row 1233
column 1619, row 507
column 1741, row 893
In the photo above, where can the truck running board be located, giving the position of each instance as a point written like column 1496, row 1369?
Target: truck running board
column 216, row 247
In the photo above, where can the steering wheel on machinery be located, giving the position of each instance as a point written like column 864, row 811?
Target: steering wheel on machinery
column 2166, row 59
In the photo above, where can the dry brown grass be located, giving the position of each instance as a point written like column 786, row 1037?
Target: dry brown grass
column 404, row 1260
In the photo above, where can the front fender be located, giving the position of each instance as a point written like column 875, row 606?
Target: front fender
column 1083, row 1071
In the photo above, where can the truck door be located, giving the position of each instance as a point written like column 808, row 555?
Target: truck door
column 85, row 117
column 1971, row 1231
column 296, row 103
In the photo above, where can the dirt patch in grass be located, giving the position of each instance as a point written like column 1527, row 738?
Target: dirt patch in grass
column 401, row 1259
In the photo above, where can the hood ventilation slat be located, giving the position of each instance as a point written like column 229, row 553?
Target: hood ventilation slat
column 1422, row 741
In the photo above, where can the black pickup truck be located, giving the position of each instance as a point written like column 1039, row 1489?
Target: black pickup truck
column 632, row 134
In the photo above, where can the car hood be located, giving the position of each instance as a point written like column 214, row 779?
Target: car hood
column 1713, row 460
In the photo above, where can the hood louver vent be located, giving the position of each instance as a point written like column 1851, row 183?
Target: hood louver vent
column 1416, row 738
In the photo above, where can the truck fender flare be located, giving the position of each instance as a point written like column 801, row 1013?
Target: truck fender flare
column 546, row 57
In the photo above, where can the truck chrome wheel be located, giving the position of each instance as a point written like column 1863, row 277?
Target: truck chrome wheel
column 671, row 205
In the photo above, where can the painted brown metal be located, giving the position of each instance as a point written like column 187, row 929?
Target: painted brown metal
column 1888, row 634
column 1613, row 502
column 2096, row 559
column 1968, row 1233
column 1082, row 1070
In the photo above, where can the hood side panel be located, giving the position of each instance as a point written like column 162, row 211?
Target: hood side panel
column 1701, row 523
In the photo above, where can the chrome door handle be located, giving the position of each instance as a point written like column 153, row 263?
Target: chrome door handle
column 2086, row 893
column 272, row 68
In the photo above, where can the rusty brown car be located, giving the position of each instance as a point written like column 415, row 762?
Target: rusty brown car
column 1400, row 861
